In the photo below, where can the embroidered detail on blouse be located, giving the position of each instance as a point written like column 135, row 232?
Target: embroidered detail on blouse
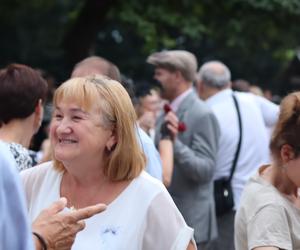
column 110, row 230
column 107, row 237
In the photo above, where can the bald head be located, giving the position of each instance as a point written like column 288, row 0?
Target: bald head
column 215, row 74
column 96, row 65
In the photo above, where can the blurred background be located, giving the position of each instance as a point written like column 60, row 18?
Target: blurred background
column 258, row 39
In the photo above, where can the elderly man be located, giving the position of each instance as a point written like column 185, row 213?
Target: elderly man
column 195, row 149
column 257, row 113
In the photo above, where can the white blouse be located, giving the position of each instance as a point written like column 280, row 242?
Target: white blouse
column 143, row 216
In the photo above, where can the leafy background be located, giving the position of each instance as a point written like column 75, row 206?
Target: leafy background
column 257, row 39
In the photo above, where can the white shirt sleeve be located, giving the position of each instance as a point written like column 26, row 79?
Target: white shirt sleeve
column 165, row 226
column 269, row 110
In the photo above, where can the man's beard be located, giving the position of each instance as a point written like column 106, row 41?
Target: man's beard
column 165, row 94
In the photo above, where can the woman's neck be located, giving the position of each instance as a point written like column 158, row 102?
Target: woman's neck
column 17, row 131
column 90, row 187
column 277, row 176
column 85, row 178
column 83, row 171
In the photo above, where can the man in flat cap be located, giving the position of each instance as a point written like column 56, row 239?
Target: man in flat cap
column 195, row 148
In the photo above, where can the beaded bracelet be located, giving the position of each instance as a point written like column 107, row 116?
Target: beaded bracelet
column 41, row 240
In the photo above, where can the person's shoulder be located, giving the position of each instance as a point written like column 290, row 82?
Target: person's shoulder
column 258, row 193
column 151, row 189
column 252, row 98
column 149, row 180
column 5, row 156
column 199, row 108
column 8, row 166
column 149, row 184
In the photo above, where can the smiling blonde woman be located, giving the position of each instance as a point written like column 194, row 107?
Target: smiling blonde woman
column 97, row 159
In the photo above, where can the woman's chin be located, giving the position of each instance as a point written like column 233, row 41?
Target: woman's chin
column 63, row 157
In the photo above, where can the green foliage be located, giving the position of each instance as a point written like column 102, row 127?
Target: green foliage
column 256, row 38
column 33, row 32
column 290, row 6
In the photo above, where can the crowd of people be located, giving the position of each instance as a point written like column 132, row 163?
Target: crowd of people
column 191, row 164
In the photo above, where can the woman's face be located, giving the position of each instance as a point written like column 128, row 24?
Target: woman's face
column 293, row 170
column 291, row 164
column 77, row 135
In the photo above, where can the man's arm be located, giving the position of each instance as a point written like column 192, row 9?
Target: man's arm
column 269, row 110
column 197, row 161
column 167, row 157
column 58, row 229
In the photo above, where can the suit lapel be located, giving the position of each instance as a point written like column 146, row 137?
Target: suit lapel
column 185, row 105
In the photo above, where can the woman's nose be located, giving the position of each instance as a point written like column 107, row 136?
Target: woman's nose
column 64, row 126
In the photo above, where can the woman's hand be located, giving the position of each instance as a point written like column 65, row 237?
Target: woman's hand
column 172, row 124
column 166, row 155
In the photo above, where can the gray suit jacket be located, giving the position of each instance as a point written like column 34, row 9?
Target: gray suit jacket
column 195, row 151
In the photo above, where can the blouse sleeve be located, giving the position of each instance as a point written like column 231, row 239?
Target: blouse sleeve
column 269, row 227
column 165, row 228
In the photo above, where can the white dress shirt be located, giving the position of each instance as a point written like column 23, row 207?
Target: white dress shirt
column 257, row 114
column 178, row 100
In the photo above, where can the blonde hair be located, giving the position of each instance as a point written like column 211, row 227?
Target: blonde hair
column 126, row 160
column 287, row 129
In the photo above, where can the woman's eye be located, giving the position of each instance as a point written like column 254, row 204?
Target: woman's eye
column 76, row 118
column 58, row 116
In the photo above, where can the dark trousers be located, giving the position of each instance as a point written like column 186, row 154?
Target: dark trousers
column 225, row 240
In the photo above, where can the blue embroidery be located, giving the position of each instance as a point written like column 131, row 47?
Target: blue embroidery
column 107, row 237
column 110, row 230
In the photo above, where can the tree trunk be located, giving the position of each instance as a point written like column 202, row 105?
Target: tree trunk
column 79, row 41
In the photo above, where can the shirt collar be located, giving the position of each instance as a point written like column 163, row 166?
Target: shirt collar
column 178, row 100
column 219, row 96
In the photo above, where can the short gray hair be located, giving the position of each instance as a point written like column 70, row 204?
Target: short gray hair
column 214, row 74
column 173, row 60
column 96, row 65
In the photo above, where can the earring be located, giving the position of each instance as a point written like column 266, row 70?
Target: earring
column 111, row 148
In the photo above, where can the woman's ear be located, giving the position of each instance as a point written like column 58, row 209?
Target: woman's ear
column 287, row 153
column 112, row 141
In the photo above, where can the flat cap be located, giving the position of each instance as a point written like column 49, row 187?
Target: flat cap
column 181, row 60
